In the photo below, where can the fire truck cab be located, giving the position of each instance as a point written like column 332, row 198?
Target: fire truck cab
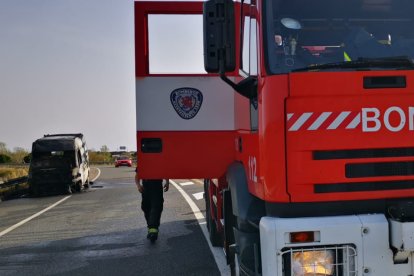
column 301, row 125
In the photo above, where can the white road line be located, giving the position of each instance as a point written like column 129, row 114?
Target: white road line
column 217, row 251
column 199, row 195
column 32, row 217
column 99, row 173
column 186, row 183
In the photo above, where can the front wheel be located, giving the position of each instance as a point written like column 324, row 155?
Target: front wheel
column 87, row 183
column 234, row 266
column 67, row 189
column 79, row 187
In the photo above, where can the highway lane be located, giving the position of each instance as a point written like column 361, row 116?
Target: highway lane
column 102, row 231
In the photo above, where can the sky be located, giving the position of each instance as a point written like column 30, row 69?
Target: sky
column 67, row 66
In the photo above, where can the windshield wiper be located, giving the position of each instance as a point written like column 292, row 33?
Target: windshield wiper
column 402, row 62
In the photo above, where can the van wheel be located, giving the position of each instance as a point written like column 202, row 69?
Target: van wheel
column 78, row 187
column 87, row 183
column 68, row 189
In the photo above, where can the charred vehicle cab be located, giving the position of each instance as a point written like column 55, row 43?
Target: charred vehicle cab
column 60, row 164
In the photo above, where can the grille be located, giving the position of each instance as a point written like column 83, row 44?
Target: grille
column 369, row 169
column 379, row 169
column 363, row 153
column 363, row 186
column 332, row 261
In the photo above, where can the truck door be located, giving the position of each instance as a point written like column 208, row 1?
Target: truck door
column 184, row 116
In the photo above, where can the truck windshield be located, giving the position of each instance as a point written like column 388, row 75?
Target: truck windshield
column 303, row 35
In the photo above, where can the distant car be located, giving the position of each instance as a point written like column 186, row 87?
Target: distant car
column 123, row 161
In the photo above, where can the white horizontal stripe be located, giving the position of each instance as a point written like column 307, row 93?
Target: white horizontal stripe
column 302, row 119
column 321, row 119
column 186, row 183
column 335, row 124
column 355, row 122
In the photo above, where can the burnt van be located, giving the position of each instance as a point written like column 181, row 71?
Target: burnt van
column 60, row 164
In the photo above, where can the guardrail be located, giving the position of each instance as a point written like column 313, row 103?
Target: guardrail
column 14, row 187
column 12, row 165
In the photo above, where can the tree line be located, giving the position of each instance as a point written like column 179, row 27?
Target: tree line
column 18, row 155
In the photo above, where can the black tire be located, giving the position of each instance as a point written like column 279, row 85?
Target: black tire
column 242, row 225
column 248, row 258
column 78, row 187
column 214, row 236
column 87, row 184
column 234, row 266
column 67, row 189
column 229, row 223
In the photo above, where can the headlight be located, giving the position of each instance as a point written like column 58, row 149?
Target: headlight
column 313, row 263
column 326, row 261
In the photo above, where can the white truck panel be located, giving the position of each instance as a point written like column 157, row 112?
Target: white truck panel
column 368, row 234
column 402, row 235
column 155, row 111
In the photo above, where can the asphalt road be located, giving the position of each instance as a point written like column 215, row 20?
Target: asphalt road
column 102, row 231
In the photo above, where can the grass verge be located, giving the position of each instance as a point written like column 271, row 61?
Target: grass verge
column 8, row 173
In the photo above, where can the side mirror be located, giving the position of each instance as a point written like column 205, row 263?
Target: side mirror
column 219, row 39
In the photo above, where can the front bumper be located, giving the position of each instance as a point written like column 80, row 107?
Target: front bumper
column 361, row 241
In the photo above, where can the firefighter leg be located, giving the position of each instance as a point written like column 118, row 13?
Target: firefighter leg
column 154, row 195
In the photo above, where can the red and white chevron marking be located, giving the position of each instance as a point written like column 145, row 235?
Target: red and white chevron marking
column 323, row 120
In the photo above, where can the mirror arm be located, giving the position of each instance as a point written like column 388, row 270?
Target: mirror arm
column 247, row 87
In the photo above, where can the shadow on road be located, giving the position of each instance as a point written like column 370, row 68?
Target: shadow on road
column 178, row 251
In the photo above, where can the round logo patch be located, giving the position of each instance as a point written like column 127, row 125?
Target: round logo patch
column 186, row 102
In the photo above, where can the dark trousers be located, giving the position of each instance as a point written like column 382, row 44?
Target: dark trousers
column 152, row 202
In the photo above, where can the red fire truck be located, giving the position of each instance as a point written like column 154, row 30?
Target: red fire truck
column 303, row 129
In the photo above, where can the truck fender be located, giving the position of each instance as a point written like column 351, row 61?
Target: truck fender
column 245, row 206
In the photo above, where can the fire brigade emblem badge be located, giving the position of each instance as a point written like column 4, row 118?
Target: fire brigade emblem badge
column 186, row 102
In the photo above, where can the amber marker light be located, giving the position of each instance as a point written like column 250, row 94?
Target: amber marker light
column 302, row 237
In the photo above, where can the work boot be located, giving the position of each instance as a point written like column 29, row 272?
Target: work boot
column 152, row 234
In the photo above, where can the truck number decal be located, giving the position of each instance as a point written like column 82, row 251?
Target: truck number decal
column 253, row 169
